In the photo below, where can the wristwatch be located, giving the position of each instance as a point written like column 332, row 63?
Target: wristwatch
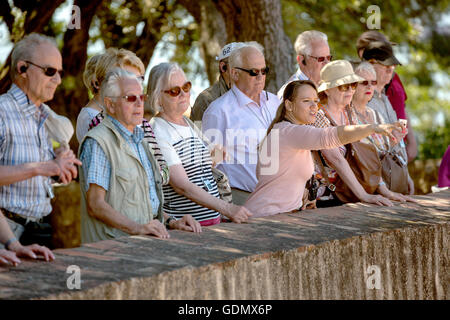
column 170, row 218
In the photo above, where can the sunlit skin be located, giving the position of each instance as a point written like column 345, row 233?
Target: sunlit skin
column 363, row 93
column 319, row 48
column 250, row 86
column 303, row 108
column 95, row 101
column 37, row 86
column 384, row 75
column 129, row 114
column 174, row 107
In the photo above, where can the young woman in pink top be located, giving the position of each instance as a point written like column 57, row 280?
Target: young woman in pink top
column 282, row 173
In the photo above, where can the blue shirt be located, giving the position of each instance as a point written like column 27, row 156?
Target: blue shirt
column 97, row 167
column 23, row 139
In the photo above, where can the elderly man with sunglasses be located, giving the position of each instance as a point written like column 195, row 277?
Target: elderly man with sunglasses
column 27, row 158
column 313, row 53
column 240, row 118
column 120, row 182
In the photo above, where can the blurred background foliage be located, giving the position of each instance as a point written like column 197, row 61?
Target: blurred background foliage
column 421, row 28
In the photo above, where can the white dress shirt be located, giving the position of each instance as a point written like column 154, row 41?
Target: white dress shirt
column 299, row 75
column 239, row 123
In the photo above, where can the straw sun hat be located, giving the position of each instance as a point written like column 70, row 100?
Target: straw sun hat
column 336, row 73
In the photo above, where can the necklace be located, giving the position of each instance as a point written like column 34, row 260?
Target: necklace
column 207, row 184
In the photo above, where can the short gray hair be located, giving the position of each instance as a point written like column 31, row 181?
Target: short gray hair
column 25, row 48
column 305, row 39
column 235, row 58
column 160, row 76
column 365, row 66
column 110, row 86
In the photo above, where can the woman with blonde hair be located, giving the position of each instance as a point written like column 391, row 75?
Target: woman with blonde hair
column 96, row 69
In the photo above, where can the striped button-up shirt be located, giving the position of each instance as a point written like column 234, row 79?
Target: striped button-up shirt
column 23, row 139
column 97, row 167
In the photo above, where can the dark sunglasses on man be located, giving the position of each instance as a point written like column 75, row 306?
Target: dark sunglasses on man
column 48, row 71
column 255, row 72
column 175, row 91
column 347, row 86
column 322, row 59
column 133, row 98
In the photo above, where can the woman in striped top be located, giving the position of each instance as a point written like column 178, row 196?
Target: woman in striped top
column 192, row 188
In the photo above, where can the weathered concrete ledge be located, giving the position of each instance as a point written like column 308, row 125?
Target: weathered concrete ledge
column 319, row 254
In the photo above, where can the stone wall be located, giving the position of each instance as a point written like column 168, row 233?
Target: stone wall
column 66, row 205
column 317, row 254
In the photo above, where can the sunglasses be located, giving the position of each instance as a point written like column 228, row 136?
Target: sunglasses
column 133, row 98
column 322, row 59
column 366, row 83
column 255, row 72
column 347, row 86
column 175, row 91
column 48, row 71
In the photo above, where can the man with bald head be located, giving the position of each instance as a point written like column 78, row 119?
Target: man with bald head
column 27, row 158
column 313, row 53
column 239, row 119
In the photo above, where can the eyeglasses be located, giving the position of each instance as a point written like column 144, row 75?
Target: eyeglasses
column 255, row 72
column 48, row 71
column 175, row 91
column 133, row 98
column 141, row 78
column 366, row 83
column 347, row 86
column 322, row 59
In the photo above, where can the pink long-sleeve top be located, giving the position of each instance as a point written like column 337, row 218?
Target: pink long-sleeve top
column 282, row 173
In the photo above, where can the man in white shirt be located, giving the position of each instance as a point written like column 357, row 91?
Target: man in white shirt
column 313, row 53
column 240, row 118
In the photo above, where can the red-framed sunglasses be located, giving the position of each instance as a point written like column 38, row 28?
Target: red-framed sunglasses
column 175, row 91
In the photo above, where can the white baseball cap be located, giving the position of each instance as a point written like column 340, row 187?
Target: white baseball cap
column 227, row 49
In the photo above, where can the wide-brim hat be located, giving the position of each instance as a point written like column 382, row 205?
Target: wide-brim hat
column 336, row 73
column 381, row 52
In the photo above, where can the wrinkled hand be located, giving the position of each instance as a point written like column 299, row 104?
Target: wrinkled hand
column 401, row 197
column 392, row 130
column 218, row 154
column 187, row 223
column 237, row 214
column 67, row 162
column 377, row 199
column 32, row 251
column 154, row 228
column 8, row 258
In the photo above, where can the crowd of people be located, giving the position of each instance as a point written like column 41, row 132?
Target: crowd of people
column 330, row 135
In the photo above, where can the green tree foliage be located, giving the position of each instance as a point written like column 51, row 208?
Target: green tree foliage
column 423, row 47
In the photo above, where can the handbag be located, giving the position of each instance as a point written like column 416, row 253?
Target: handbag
column 310, row 194
column 394, row 168
column 222, row 182
column 364, row 161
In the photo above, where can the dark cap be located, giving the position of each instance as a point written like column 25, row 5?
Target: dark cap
column 371, row 36
column 382, row 52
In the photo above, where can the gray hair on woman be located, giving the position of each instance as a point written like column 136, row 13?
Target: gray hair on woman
column 25, row 48
column 235, row 58
column 159, row 78
column 365, row 66
column 305, row 39
column 110, row 86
